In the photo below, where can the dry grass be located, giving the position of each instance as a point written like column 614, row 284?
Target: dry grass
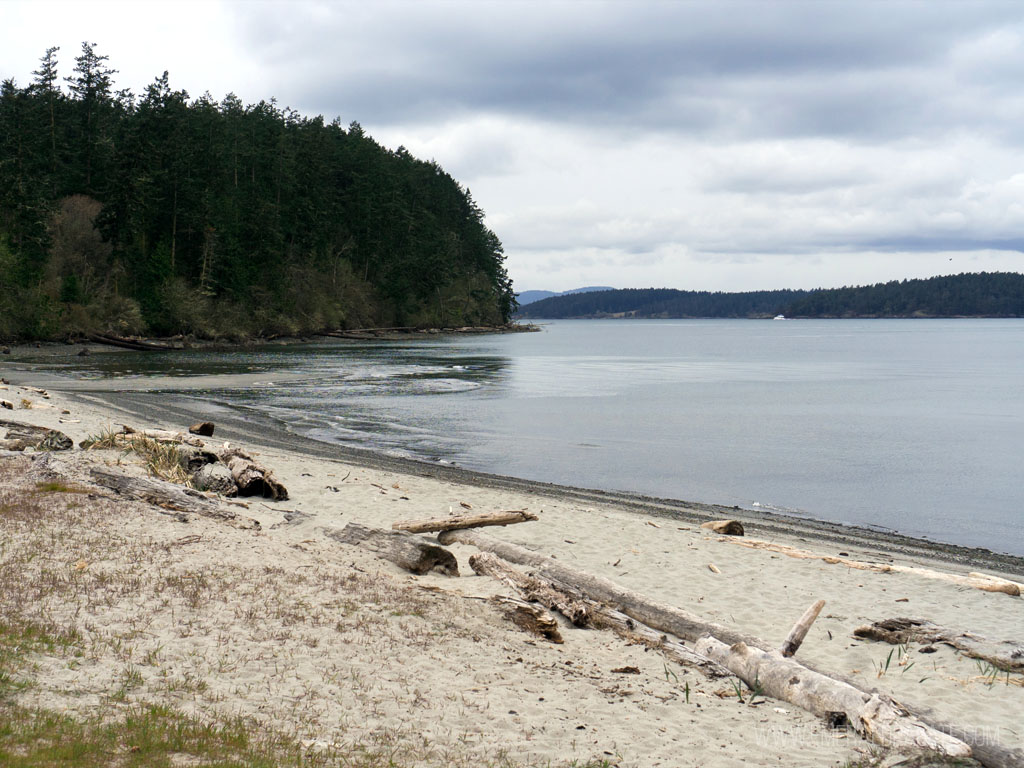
column 163, row 460
column 115, row 650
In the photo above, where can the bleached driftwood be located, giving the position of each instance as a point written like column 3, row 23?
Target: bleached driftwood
column 251, row 477
column 1006, row 655
column 405, row 550
column 464, row 520
column 165, row 495
column 876, row 717
column 582, row 611
column 666, row 618
column 976, row 580
column 530, row 617
column 130, row 434
column 796, row 635
column 531, row 588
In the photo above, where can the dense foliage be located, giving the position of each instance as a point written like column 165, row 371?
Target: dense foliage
column 996, row 294
column 165, row 214
column 661, row 302
column 984, row 294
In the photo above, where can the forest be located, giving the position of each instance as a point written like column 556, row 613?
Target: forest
column 983, row 294
column 163, row 214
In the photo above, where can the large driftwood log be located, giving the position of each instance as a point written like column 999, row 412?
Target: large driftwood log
column 403, row 549
column 165, row 495
column 666, row 618
column 582, row 611
column 874, row 716
column 1005, row 655
column 41, row 438
column 461, row 521
column 975, row 580
column 252, row 478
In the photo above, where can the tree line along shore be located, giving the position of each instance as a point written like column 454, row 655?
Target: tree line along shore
column 984, row 294
column 163, row 214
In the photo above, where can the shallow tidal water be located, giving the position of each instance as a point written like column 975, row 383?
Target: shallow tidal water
column 915, row 426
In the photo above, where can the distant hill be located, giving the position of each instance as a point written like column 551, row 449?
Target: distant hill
column 984, row 294
column 660, row 302
column 529, row 297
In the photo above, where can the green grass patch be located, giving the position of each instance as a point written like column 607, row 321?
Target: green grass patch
column 142, row 737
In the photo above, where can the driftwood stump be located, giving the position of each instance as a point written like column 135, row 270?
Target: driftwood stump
column 251, row 477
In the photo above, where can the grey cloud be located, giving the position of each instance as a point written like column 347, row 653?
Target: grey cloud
column 749, row 68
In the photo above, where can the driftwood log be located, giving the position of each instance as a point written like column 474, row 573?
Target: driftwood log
column 582, row 611
column 461, row 521
column 41, row 438
column 126, row 343
column 1007, row 655
column 684, row 625
column 403, row 549
column 666, row 618
column 976, row 580
column 875, row 716
column 252, row 478
column 165, row 495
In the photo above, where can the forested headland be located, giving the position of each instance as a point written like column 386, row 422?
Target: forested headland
column 984, row 294
column 163, row 214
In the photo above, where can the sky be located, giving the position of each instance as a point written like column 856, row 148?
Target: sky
column 719, row 145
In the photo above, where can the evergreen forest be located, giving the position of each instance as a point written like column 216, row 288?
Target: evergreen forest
column 162, row 214
column 984, row 294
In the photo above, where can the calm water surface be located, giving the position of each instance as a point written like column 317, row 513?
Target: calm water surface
column 915, row 426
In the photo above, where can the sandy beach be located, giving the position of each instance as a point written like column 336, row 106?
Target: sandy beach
column 346, row 653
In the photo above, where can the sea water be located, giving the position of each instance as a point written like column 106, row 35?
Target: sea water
column 915, row 426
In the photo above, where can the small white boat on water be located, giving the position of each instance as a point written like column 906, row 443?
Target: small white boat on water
column 779, row 317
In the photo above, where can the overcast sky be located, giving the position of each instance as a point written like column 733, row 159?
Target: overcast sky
column 698, row 145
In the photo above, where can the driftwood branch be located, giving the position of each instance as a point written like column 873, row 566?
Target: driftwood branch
column 403, row 549
column 161, row 493
column 1006, row 655
column 874, row 716
column 530, row 617
column 531, row 588
column 975, row 580
column 461, row 521
column 799, row 632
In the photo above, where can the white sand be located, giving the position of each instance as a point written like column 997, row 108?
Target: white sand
column 325, row 641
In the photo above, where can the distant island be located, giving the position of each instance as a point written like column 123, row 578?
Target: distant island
column 983, row 294
column 529, row 297
column 163, row 214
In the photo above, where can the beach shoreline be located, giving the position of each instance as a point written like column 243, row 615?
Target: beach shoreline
column 168, row 410
column 452, row 669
